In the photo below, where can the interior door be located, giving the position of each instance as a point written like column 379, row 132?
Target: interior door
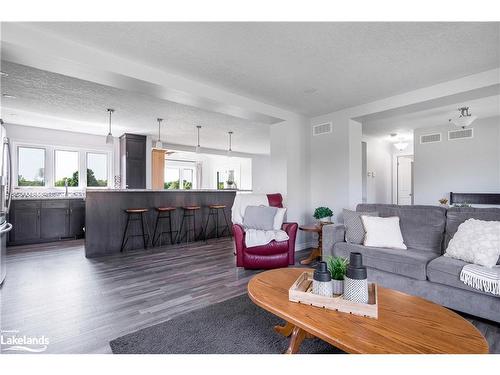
column 405, row 180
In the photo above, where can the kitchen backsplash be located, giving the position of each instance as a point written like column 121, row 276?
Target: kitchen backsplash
column 25, row 194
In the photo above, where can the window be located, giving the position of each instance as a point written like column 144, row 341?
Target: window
column 97, row 169
column 66, row 168
column 31, row 166
column 187, row 179
column 172, row 178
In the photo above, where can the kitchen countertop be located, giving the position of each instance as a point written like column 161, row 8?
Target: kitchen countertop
column 39, row 198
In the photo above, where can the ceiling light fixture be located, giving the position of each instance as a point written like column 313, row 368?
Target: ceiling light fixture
column 198, row 148
column 9, row 96
column 230, row 150
column 159, row 144
column 401, row 146
column 464, row 119
column 109, row 137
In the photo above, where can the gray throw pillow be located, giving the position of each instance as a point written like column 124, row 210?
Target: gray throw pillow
column 259, row 217
column 354, row 230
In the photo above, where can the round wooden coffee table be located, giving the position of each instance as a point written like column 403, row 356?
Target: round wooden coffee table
column 405, row 324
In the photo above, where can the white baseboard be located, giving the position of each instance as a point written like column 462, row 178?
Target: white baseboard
column 305, row 245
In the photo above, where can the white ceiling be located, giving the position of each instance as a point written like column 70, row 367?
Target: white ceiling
column 309, row 68
column 55, row 101
column 404, row 124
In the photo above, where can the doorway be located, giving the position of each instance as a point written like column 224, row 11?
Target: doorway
column 404, row 180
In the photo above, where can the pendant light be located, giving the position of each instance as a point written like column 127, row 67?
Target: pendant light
column 464, row 119
column 109, row 137
column 230, row 150
column 198, row 148
column 158, row 143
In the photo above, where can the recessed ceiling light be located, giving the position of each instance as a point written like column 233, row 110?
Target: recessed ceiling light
column 3, row 74
column 8, row 96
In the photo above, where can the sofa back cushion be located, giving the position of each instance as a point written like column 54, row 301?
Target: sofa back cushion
column 457, row 215
column 422, row 226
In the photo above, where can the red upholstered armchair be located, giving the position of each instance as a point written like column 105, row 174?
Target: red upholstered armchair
column 274, row 254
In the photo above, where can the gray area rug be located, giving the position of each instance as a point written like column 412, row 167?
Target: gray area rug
column 235, row 326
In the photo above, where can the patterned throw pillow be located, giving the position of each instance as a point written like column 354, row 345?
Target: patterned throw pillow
column 476, row 241
column 355, row 232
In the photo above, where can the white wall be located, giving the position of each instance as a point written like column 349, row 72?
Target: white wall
column 464, row 166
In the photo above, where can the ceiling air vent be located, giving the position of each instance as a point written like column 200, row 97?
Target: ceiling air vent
column 460, row 134
column 430, row 138
column 322, row 128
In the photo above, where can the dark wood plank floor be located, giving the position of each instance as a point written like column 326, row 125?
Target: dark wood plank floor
column 81, row 304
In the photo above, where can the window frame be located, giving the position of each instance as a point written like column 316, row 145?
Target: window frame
column 16, row 174
column 107, row 169
column 54, row 168
column 181, row 165
column 49, row 161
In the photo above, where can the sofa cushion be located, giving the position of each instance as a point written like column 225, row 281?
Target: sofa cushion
column 422, row 226
column 411, row 263
column 445, row 270
column 354, row 230
column 457, row 215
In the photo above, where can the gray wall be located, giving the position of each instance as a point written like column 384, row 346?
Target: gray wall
column 465, row 166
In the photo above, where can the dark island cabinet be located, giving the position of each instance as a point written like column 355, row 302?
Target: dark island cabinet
column 133, row 161
column 46, row 220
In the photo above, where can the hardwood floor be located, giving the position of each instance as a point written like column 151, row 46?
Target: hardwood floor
column 81, row 304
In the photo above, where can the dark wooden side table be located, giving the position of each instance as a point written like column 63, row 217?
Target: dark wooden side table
column 316, row 253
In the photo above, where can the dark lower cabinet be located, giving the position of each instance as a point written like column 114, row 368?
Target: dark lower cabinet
column 46, row 220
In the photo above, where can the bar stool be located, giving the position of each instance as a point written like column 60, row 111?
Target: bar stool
column 136, row 214
column 214, row 214
column 163, row 214
column 189, row 212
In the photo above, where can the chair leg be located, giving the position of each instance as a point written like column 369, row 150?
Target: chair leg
column 125, row 234
column 227, row 224
column 179, row 238
column 206, row 226
column 143, row 234
column 170, row 227
column 217, row 223
column 155, row 240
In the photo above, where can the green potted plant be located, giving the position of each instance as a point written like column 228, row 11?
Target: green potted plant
column 338, row 268
column 323, row 214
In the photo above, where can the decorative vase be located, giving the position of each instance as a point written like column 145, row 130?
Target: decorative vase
column 356, row 281
column 337, row 286
column 322, row 281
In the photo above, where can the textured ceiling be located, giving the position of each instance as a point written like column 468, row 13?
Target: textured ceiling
column 310, row 68
column 405, row 124
column 55, row 101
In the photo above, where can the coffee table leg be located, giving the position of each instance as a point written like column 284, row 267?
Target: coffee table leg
column 285, row 330
column 298, row 335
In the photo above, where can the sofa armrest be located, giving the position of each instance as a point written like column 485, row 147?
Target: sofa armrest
column 332, row 233
column 291, row 230
column 239, row 242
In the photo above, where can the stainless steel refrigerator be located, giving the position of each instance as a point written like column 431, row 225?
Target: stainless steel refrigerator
column 5, row 198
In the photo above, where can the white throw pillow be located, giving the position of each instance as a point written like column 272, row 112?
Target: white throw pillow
column 278, row 218
column 383, row 232
column 476, row 241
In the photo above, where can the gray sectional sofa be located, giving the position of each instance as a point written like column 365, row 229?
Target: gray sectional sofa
column 421, row 270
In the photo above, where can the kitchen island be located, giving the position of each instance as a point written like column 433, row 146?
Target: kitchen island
column 105, row 216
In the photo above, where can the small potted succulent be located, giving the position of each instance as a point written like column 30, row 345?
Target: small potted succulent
column 323, row 214
column 338, row 268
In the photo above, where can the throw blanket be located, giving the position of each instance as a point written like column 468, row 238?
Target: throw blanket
column 241, row 201
column 255, row 237
column 482, row 278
